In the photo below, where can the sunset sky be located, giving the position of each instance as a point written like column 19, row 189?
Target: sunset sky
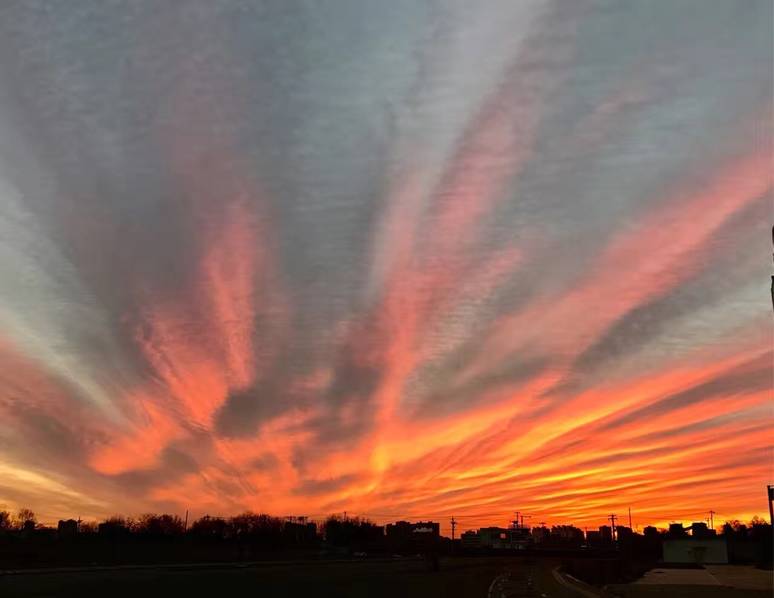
column 400, row 259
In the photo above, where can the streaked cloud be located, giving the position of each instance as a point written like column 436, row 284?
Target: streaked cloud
column 398, row 259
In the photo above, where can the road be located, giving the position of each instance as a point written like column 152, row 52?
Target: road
column 372, row 578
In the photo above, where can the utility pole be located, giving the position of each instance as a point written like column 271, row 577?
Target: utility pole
column 770, row 489
column 185, row 525
column 612, row 519
column 630, row 519
column 454, row 526
column 712, row 519
column 516, row 521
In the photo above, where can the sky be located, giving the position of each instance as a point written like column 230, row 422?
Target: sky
column 400, row 259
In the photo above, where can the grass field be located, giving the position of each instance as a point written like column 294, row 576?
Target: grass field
column 506, row 577
column 402, row 578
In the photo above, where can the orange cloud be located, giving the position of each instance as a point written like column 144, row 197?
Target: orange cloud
column 140, row 448
column 662, row 250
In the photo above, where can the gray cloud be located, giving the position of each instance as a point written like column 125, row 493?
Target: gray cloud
column 755, row 375
column 348, row 137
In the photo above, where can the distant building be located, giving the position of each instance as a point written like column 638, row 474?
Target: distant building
column 505, row 538
column 699, row 529
column 606, row 533
column 470, row 539
column 567, row 532
column 427, row 527
column 567, row 536
column 519, row 536
column 403, row 536
column 651, row 532
column 623, row 533
column 406, row 529
column 67, row 528
column 494, row 537
column 676, row 530
column 540, row 534
column 695, row 550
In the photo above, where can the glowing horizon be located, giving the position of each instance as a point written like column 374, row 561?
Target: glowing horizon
column 403, row 261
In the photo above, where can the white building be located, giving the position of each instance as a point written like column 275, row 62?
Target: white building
column 696, row 550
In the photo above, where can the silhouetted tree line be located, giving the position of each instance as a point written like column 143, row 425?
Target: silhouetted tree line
column 248, row 527
column 155, row 537
column 355, row 533
column 24, row 519
column 755, row 529
column 163, row 537
column 749, row 543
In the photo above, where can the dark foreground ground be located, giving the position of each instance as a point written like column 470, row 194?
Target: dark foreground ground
column 397, row 578
column 482, row 577
column 681, row 591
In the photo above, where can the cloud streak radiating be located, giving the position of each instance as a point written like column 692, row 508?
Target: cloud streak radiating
column 399, row 259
